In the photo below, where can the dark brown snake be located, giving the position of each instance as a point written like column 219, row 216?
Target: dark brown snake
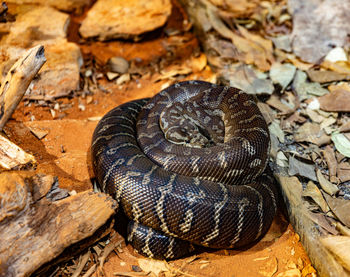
column 188, row 167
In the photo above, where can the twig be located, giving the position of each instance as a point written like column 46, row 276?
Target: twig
column 82, row 262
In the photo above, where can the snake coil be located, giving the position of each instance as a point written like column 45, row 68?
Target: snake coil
column 187, row 167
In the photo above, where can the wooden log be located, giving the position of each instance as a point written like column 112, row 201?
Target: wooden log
column 17, row 81
column 35, row 229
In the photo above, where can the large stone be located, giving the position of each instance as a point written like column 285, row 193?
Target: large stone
column 34, row 25
column 119, row 18
column 64, row 5
column 37, row 25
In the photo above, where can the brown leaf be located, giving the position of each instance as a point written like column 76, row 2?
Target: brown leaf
column 340, row 207
column 297, row 167
column 311, row 132
column 343, row 172
column 326, row 76
column 312, row 191
column 336, row 101
column 340, row 247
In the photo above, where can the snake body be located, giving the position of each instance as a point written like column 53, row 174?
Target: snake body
column 187, row 167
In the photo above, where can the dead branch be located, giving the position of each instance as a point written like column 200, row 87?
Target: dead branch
column 17, row 81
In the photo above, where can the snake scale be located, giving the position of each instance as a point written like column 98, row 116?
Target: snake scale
column 188, row 168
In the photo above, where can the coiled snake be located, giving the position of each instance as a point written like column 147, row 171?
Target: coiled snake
column 187, row 167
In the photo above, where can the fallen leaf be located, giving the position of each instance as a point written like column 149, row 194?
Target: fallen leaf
column 244, row 78
column 340, row 207
column 341, row 143
column 320, row 220
column 327, row 186
column 251, row 49
column 340, row 247
column 282, row 42
column 326, row 76
column 311, row 132
column 275, row 102
column 297, row 167
column 336, row 101
column 312, row 191
column 343, row 172
column 154, row 266
column 282, row 74
column 276, row 130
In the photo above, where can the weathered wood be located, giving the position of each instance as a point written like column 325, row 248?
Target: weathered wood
column 14, row 157
column 34, row 229
column 17, row 81
column 300, row 218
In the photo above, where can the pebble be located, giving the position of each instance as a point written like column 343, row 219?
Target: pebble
column 118, row 65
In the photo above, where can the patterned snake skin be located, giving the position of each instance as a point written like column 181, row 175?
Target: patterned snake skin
column 187, row 167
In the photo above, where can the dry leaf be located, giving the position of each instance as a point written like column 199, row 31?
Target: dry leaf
column 320, row 220
column 341, row 143
column 154, row 266
column 326, row 76
column 276, row 130
column 252, row 49
column 297, row 167
column 335, row 55
column 327, row 186
column 311, row 132
column 282, row 74
column 312, row 191
column 244, row 78
column 336, row 101
column 340, row 247
column 275, row 102
column 340, row 207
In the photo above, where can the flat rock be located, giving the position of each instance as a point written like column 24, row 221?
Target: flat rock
column 60, row 74
column 119, row 18
column 35, row 25
column 64, row 5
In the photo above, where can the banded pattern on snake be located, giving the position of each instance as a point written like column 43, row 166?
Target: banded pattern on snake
column 187, row 167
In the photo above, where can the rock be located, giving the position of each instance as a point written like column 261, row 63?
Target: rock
column 64, row 5
column 319, row 26
column 37, row 25
column 60, row 75
column 118, row 65
column 119, row 18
